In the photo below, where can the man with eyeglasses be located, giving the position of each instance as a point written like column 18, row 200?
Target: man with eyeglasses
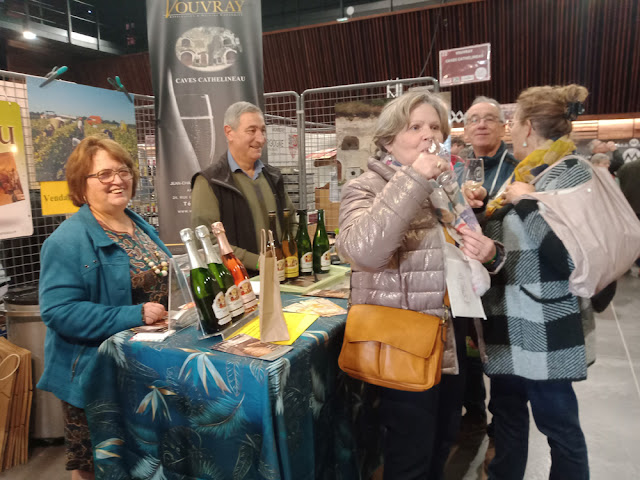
column 238, row 189
column 484, row 128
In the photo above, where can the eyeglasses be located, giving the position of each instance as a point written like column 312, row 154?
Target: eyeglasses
column 108, row 175
column 488, row 119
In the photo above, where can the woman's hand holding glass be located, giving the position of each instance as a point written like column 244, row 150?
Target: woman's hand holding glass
column 429, row 165
column 476, row 246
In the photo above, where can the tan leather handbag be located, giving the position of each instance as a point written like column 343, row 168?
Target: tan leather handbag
column 393, row 348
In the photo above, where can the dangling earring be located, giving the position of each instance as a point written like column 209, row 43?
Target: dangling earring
column 524, row 144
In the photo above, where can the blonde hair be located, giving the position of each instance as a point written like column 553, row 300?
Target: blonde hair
column 549, row 108
column 395, row 116
column 80, row 163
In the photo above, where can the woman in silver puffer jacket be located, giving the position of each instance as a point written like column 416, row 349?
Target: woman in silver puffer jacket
column 393, row 240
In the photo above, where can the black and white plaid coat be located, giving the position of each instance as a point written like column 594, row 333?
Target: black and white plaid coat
column 534, row 326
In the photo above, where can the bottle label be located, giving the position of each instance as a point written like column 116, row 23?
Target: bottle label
column 234, row 301
column 221, row 310
column 325, row 261
column 248, row 297
column 291, row 267
column 306, row 263
column 281, row 273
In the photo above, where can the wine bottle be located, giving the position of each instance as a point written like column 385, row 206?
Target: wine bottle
column 221, row 274
column 208, row 297
column 276, row 246
column 235, row 266
column 289, row 248
column 305, row 253
column 321, row 261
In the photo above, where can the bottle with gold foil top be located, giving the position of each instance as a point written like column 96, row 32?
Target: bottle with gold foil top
column 321, row 260
column 207, row 295
column 235, row 266
column 289, row 248
column 220, row 274
column 305, row 252
column 277, row 247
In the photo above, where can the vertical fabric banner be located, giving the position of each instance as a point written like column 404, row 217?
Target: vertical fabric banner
column 15, row 205
column 204, row 57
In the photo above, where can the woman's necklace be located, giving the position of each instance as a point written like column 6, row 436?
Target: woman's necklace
column 159, row 266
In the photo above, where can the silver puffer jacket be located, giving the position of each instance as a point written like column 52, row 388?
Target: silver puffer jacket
column 393, row 240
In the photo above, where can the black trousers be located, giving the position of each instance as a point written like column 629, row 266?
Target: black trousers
column 421, row 427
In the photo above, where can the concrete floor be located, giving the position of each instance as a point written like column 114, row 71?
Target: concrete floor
column 609, row 410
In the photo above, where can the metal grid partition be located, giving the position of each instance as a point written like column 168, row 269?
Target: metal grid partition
column 282, row 111
column 20, row 257
column 336, row 147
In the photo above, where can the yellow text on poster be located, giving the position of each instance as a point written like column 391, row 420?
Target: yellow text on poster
column 55, row 198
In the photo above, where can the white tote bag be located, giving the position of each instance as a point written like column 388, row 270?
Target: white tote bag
column 596, row 225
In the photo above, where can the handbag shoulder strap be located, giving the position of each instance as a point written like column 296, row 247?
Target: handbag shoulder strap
column 546, row 170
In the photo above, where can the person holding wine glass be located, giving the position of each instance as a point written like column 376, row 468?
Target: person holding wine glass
column 103, row 270
column 238, row 189
column 390, row 234
column 484, row 129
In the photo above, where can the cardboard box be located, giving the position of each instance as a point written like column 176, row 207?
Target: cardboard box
column 331, row 209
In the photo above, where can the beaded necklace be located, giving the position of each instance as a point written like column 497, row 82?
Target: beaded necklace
column 160, row 268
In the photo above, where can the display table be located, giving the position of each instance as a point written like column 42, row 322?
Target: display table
column 177, row 409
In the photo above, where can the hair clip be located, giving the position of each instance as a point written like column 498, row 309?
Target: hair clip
column 573, row 110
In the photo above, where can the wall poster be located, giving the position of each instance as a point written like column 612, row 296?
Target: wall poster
column 15, row 206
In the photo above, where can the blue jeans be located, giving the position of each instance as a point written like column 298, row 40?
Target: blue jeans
column 555, row 410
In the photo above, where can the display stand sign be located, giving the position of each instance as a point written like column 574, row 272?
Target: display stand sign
column 465, row 65
column 204, row 57
column 15, row 205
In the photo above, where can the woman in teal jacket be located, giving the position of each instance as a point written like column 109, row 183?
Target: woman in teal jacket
column 103, row 270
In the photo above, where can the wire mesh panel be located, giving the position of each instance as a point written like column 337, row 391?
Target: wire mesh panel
column 338, row 125
column 283, row 140
column 20, row 257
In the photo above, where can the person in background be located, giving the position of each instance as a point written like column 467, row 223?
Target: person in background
column 457, row 145
column 390, row 234
column 537, row 333
column 610, row 149
column 484, row 129
column 96, row 280
column 238, row 189
column 629, row 178
column 601, row 160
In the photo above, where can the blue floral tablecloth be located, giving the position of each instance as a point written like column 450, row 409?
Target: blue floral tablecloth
column 178, row 410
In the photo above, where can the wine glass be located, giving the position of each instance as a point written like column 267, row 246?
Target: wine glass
column 473, row 174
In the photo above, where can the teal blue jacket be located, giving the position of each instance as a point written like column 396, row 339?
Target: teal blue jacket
column 85, row 297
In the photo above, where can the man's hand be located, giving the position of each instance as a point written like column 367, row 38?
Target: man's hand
column 475, row 198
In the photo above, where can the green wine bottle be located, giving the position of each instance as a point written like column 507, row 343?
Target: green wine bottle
column 273, row 226
column 207, row 295
column 305, row 252
column 321, row 261
column 289, row 249
column 221, row 274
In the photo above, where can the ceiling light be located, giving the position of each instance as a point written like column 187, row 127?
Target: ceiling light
column 342, row 19
column 29, row 35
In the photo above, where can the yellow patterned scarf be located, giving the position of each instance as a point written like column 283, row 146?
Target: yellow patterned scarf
column 548, row 154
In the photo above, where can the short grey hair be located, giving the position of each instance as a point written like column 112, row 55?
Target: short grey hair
column 600, row 158
column 395, row 116
column 235, row 111
column 591, row 145
column 492, row 101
